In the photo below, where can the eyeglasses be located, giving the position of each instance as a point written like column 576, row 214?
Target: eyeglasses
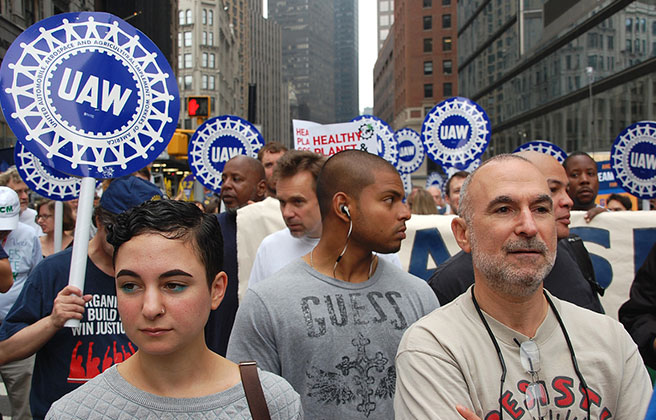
column 535, row 393
column 536, row 396
column 42, row 216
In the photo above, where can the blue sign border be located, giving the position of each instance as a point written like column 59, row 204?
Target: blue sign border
column 207, row 133
column 408, row 134
column 640, row 132
column 545, row 147
column 25, row 79
column 474, row 147
column 385, row 135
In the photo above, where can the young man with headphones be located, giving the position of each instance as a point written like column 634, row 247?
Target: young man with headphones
column 331, row 322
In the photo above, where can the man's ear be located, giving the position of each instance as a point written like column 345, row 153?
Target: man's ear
column 218, row 289
column 461, row 233
column 261, row 189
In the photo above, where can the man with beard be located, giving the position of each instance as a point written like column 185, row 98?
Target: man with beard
column 572, row 277
column 551, row 358
column 330, row 323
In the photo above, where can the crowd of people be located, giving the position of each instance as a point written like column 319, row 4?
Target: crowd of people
column 511, row 326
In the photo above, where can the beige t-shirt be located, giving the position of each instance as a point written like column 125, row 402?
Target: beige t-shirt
column 447, row 358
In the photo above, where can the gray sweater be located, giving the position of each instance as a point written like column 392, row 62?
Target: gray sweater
column 109, row 396
column 333, row 341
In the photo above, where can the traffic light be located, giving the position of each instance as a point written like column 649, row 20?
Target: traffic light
column 198, row 106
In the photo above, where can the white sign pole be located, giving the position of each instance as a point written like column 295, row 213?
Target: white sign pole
column 59, row 222
column 81, row 239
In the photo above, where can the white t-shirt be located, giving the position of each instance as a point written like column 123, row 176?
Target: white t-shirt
column 448, row 358
column 280, row 248
column 28, row 216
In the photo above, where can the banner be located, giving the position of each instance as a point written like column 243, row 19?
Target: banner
column 332, row 138
column 618, row 243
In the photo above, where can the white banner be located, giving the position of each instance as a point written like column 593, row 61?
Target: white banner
column 332, row 138
column 618, row 243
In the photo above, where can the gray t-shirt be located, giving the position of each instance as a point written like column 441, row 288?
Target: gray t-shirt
column 109, row 396
column 332, row 340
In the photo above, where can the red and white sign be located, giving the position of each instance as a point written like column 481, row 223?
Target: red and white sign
column 332, row 138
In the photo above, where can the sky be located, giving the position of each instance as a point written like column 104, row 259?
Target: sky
column 367, row 50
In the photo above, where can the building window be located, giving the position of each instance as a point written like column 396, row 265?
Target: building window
column 204, row 38
column 180, row 62
column 187, row 39
column 629, row 45
column 428, row 68
column 447, row 89
column 428, row 45
column 428, row 22
column 446, row 2
column 211, row 83
column 189, row 19
column 428, row 3
column 610, row 44
column 384, row 6
column 187, row 82
column 210, row 17
column 446, row 43
column 428, row 90
column 181, row 17
column 187, row 60
column 447, row 67
column 629, row 25
column 179, row 39
column 446, row 21
column 204, row 16
column 212, row 61
column 210, row 40
column 204, row 60
column 384, row 20
column 203, row 82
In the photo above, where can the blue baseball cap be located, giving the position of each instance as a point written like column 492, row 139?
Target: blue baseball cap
column 127, row 192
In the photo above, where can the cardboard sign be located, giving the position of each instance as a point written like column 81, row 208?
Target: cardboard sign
column 329, row 139
column 633, row 159
column 218, row 140
column 411, row 150
column 456, row 132
column 89, row 94
column 386, row 146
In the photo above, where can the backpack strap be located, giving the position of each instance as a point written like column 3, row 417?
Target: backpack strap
column 585, row 264
column 253, row 390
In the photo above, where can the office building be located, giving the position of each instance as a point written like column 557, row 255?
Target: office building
column 385, row 14
column 346, row 60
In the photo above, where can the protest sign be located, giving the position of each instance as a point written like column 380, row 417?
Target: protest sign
column 329, row 139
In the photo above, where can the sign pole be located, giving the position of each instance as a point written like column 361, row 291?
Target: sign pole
column 81, row 239
column 59, row 222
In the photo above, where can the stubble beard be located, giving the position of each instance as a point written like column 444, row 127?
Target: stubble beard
column 510, row 279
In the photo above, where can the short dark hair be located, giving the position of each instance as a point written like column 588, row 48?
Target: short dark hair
column 271, row 147
column 68, row 222
column 296, row 161
column 624, row 200
column 349, row 172
column 173, row 220
column 574, row 154
column 459, row 174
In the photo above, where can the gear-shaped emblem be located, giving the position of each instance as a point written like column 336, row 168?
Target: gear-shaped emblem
column 218, row 140
column 435, row 179
column 386, row 145
column 43, row 179
column 411, row 150
column 89, row 94
column 406, row 179
column 633, row 159
column 545, row 147
column 456, row 132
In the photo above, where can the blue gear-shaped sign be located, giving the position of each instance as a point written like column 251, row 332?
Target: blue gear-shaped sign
column 387, row 147
column 89, row 94
column 406, row 179
column 215, row 142
column 545, row 147
column 435, row 179
column 456, row 132
column 44, row 180
column 633, row 159
column 411, row 150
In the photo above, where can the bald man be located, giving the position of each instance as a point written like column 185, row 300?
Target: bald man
column 572, row 277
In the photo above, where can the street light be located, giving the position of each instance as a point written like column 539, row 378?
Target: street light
column 590, row 73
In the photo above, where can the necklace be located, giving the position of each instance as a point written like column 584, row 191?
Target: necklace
column 371, row 264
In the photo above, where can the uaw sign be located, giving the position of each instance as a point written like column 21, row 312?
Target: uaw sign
column 633, row 159
column 218, row 140
column 386, row 146
column 411, row 150
column 43, row 179
column 545, row 147
column 329, row 139
column 89, row 94
column 456, row 132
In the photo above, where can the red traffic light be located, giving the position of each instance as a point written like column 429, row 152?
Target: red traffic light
column 198, row 106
